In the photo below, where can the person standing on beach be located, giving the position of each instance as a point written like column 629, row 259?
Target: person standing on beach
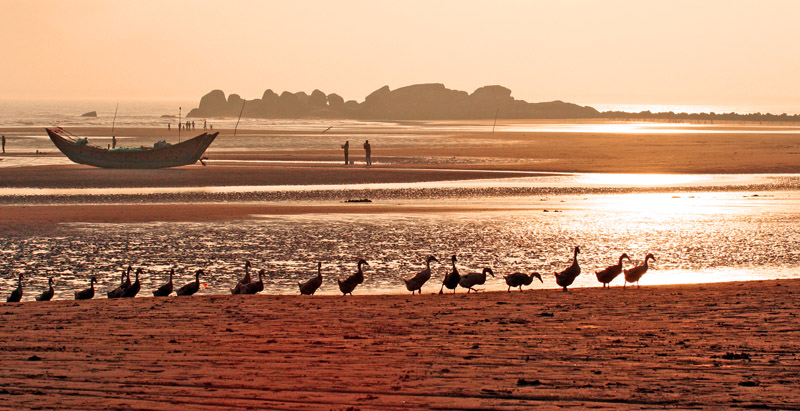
column 113, row 141
column 204, row 124
column 4, row 143
column 368, row 149
column 346, row 147
column 169, row 126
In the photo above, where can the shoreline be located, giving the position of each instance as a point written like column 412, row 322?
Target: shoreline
column 734, row 152
column 679, row 346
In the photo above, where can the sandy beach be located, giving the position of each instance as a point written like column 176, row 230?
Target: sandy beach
column 726, row 345
column 730, row 150
column 719, row 345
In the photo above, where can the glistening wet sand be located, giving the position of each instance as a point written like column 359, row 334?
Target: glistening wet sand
column 724, row 345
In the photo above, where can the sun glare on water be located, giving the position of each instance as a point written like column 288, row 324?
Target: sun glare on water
column 639, row 180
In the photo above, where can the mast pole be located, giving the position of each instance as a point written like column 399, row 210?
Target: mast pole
column 240, row 117
column 495, row 119
column 113, row 122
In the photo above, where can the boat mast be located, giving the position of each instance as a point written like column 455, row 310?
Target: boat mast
column 113, row 122
column 240, row 117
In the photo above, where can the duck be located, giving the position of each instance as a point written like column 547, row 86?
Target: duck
column 16, row 295
column 165, row 289
column 310, row 287
column 192, row 287
column 131, row 291
column 472, row 279
column 245, row 280
column 415, row 283
column 634, row 274
column 349, row 284
column 255, row 286
column 452, row 279
column 47, row 295
column 566, row 277
column 88, row 293
column 520, row 279
column 611, row 272
column 123, row 284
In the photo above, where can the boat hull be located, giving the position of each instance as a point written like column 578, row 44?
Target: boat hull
column 181, row 154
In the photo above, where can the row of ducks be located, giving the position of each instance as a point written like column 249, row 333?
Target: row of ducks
column 564, row 278
column 126, row 289
column 414, row 284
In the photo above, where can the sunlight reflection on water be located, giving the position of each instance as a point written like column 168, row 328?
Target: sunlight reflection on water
column 696, row 237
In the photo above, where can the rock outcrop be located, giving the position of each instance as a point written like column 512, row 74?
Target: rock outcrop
column 416, row 102
column 89, row 114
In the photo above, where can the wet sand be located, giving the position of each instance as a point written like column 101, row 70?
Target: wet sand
column 725, row 345
column 22, row 217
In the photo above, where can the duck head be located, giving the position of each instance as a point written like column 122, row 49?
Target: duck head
column 537, row 275
column 489, row 271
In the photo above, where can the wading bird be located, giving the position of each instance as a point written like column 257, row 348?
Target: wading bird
column 566, row 277
column 415, row 283
column 88, row 293
column 349, row 284
column 472, row 279
column 634, row 274
column 310, row 287
column 47, row 295
column 452, row 279
column 611, row 272
column 520, row 279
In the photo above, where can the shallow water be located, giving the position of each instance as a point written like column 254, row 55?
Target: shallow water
column 695, row 236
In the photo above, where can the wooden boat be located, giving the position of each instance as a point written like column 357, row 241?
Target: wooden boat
column 162, row 155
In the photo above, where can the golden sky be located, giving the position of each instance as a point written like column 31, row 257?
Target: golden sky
column 593, row 51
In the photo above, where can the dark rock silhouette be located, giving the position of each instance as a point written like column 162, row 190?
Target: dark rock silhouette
column 415, row 102
column 429, row 102
column 89, row 114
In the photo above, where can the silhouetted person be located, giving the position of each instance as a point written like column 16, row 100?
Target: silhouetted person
column 113, row 141
column 4, row 144
column 169, row 126
column 368, row 149
column 192, row 124
column 346, row 147
column 204, row 124
column 211, row 125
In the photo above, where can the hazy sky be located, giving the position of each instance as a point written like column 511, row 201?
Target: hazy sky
column 593, row 51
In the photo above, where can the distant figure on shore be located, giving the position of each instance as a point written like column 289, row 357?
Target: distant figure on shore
column 368, row 149
column 211, row 126
column 204, row 124
column 192, row 124
column 4, row 144
column 169, row 126
column 113, row 141
column 345, row 146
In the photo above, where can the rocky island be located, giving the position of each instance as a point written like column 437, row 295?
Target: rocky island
column 415, row 102
column 434, row 101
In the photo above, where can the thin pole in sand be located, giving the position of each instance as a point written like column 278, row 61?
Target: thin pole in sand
column 240, row 117
column 179, row 124
column 495, row 119
column 113, row 122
